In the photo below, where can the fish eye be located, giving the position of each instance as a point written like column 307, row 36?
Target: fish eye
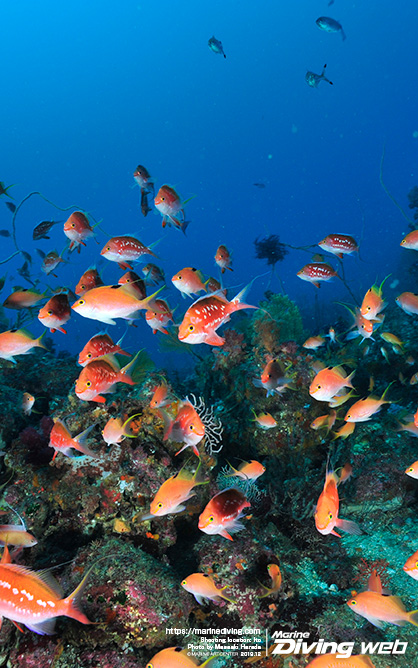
column 368, row 308
column 349, row 416
column 81, row 302
column 191, row 427
column 88, row 384
column 416, row 564
column 83, row 287
column 108, row 248
column 50, row 312
column 318, row 387
column 330, row 516
column 179, row 277
column 184, row 583
column 72, row 224
column 159, row 506
column 191, row 328
column 88, row 355
column 410, row 470
column 162, row 199
column 211, row 518
column 353, row 602
column 149, row 665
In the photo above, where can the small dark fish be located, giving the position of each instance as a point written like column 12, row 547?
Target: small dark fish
column 4, row 233
column 4, row 189
column 216, row 46
column 144, row 180
column 41, row 230
column 2, row 281
column 41, row 253
column 12, row 207
column 313, row 80
column 50, row 261
column 153, row 274
column 23, row 271
column 145, row 208
column 27, row 257
column 330, row 25
column 259, row 185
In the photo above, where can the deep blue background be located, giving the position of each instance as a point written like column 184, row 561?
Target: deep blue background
column 89, row 90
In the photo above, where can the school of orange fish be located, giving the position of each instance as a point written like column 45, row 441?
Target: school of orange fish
column 29, row 598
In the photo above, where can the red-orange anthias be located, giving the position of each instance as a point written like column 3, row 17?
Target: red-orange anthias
column 78, row 229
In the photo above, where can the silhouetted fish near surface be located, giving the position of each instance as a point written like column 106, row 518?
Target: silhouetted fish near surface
column 330, row 25
column 259, row 185
column 12, row 207
column 216, row 46
column 313, row 80
column 41, row 230
column 4, row 233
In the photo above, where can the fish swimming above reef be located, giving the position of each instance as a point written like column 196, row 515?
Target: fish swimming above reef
column 313, row 80
column 330, row 25
column 223, row 512
column 29, row 598
column 169, row 204
column 18, row 342
column 215, row 45
column 41, row 230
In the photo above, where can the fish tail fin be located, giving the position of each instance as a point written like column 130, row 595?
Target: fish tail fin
column 137, row 369
column 145, row 303
column 230, row 600
column 382, row 398
column 349, row 379
column 126, row 427
column 81, row 438
column 40, row 343
column 71, row 605
column 413, row 617
column 184, row 225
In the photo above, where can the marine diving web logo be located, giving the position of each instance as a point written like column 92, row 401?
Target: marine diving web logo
column 299, row 642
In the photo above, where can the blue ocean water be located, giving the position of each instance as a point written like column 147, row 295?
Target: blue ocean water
column 90, row 90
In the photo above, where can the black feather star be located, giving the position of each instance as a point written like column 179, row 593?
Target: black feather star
column 270, row 249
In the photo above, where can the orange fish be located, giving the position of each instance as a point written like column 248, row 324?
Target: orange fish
column 173, row 493
column 55, row 313
column 176, row 657
column 339, row 244
column 412, row 470
column 78, row 229
column 89, row 280
column 116, row 429
column 137, row 283
column 169, row 204
column 223, row 512
column 203, row 588
column 408, row 302
column 314, row 342
column 264, row 420
column 158, row 320
column 206, row 315
column 187, row 427
column 100, row 377
column 29, row 598
column 362, row 326
column 331, row 661
column 373, row 303
column 378, row 608
column 346, row 473
column 27, row 403
column 50, row 262
column 124, row 250
column 345, row 431
column 411, row 566
column 365, row 408
column 324, row 421
column 20, row 299
column 111, row 301
column 248, row 470
column 223, row 258
column 317, row 272
column 189, row 281
column 276, row 581
column 99, row 345
column 328, row 382
column 326, row 514
column 15, row 342
column 61, row 440
column 409, row 425
column 16, row 534
column 273, row 378
column 410, row 241
column 160, row 397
